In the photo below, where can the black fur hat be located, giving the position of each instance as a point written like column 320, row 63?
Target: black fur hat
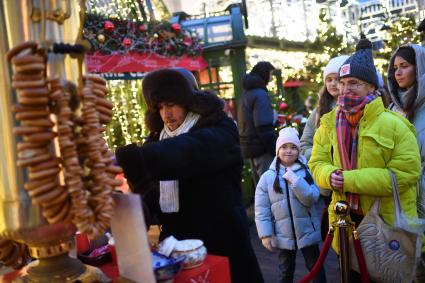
column 167, row 85
column 170, row 85
column 189, row 76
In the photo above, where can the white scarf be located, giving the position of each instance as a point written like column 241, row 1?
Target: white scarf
column 169, row 190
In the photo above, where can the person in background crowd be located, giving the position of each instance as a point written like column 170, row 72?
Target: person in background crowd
column 359, row 141
column 189, row 170
column 285, row 208
column 406, row 84
column 309, row 104
column 327, row 101
column 256, row 119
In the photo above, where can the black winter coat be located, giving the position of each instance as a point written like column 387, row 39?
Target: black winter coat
column 255, row 119
column 207, row 162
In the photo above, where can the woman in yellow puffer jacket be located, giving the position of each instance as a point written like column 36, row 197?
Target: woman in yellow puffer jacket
column 359, row 141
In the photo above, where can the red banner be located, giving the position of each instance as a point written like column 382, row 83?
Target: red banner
column 140, row 62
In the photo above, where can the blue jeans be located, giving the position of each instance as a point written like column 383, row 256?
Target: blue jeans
column 287, row 264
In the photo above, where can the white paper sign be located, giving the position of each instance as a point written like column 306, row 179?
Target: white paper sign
column 131, row 242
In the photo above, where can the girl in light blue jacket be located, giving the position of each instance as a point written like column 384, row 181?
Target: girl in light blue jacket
column 285, row 208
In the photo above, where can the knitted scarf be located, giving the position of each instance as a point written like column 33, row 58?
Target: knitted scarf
column 348, row 114
column 169, row 190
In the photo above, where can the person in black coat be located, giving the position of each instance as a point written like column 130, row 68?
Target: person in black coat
column 193, row 152
column 256, row 119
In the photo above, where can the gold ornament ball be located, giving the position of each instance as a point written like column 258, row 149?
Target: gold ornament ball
column 101, row 38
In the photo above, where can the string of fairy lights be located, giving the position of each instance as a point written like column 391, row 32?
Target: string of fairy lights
column 127, row 124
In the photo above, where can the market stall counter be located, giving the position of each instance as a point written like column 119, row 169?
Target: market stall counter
column 214, row 269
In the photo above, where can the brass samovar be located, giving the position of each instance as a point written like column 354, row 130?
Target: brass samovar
column 20, row 220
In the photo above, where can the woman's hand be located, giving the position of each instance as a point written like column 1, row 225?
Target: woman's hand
column 337, row 180
column 267, row 243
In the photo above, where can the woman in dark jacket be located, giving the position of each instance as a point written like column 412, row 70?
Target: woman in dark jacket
column 194, row 154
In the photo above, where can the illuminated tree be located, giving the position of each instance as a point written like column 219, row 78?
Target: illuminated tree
column 328, row 44
column 127, row 124
column 401, row 31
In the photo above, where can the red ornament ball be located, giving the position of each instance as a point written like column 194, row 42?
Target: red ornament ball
column 283, row 106
column 108, row 26
column 143, row 28
column 176, row 27
column 126, row 42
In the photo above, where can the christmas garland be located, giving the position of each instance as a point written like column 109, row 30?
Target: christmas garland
column 113, row 35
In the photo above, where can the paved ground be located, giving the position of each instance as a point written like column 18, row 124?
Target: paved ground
column 268, row 262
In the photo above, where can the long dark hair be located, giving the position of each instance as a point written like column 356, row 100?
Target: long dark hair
column 408, row 108
column 276, row 185
column 325, row 104
column 385, row 95
column 408, row 54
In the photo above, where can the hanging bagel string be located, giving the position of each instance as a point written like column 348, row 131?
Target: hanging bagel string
column 85, row 195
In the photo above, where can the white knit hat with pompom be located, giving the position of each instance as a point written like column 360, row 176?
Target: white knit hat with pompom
column 333, row 65
column 288, row 135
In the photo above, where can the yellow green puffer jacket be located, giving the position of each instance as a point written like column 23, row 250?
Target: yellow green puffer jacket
column 386, row 141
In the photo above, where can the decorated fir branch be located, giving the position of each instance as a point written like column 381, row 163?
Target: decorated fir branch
column 114, row 35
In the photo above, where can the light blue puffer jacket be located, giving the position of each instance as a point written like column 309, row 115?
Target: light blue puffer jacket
column 272, row 215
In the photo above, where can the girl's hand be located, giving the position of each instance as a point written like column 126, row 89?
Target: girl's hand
column 337, row 180
column 290, row 176
column 267, row 243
